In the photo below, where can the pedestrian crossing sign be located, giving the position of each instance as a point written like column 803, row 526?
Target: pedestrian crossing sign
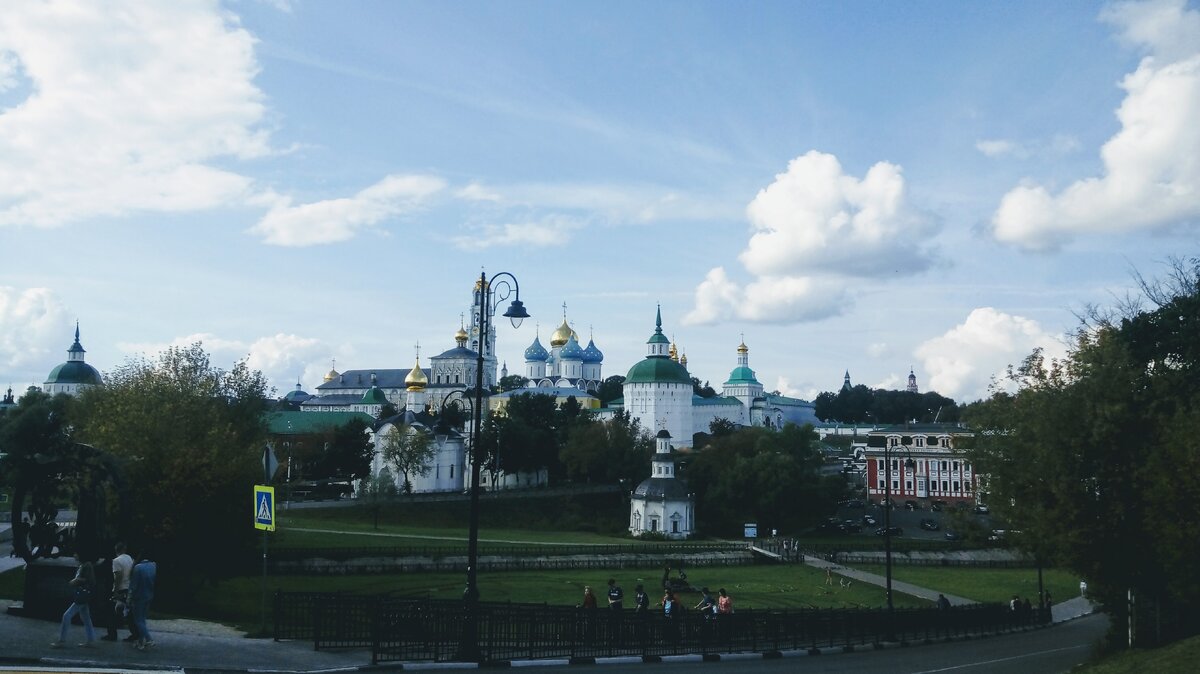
column 264, row 507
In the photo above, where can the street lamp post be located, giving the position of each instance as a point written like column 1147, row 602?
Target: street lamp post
column 491, row 293
column 887, row 525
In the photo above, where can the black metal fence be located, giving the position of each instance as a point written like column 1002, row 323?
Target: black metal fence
column 406, row 629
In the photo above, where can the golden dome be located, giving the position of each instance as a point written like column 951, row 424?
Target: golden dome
column 673, row 353
column 331, row 375
column 461, row 335
column 742, row 348
column 562, row 335
column 683, row 360
column 416, row 380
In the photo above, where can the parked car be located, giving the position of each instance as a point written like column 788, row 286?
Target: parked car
column 829, row 524
column 952, row 535
column 912, row 505
column 930, row 524
column 895, row 531
column 851, row 527
column 981, row 509
column 869, row 520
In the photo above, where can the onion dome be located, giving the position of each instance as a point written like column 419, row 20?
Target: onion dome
column 461, row 335
column 591, row 354
column 572, row 350
column 536, row 352
column 742, row 348
column 683, row 360
column 332, row 374
column 374, row 396
column 416, row 379
column 562, row 334
column 673, row 353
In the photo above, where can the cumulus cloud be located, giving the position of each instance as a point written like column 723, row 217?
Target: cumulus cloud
column 31, row 321
column 963, row 362
column 336, row 220
column 552, row 231
column 1151, row 178
column 282, row 358
column 130, row 107
column 816, row 230
column 784, row 386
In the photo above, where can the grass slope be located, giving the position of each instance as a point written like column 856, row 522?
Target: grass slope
column 984, row 585
column 1180, row 656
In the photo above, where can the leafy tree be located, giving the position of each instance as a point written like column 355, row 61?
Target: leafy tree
column 763, row 475
column 338, row 453
column 611, row 389
column 702, row 390
column 617, row 450
column 377, row 492
column 1092, row 457
column 191, row 436
column 410, row 451
column 523, row 437
column 513, row 382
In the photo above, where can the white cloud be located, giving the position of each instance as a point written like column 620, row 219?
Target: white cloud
column 1058, row 145
column 892, row 382
column 878, row 349
column 31, row 320
column 130, row 104
column 784, row 386
column 336, row 220
column 1151, row 179
column 963, row 362
column 816, row 230
column 552, row 231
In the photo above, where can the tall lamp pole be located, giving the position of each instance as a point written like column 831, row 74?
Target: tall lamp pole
column 887, row 526
column 491, row 293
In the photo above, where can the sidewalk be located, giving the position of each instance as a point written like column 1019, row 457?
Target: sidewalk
column 187, row 644
column 1060, row 612
column 881, row 581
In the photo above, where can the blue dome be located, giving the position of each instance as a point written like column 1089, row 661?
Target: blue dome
column 591, row 354
column 571, row 350
column 536, row 351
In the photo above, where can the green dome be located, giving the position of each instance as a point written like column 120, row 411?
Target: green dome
column 374, row 396
column 742, row 375
column 658, row 369
column 74, row 372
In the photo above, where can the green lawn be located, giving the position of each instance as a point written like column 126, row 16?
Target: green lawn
column 237, row 601
column 984, row 585
column 300, row 530
column 1180, row 656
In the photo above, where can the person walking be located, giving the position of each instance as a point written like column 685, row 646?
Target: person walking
column 589, row 598
column 942, row 602
column 641, row 601
column 122, row 567
column 83, row 586
column 724, row 603
column 670, row 611
column 141, row 593
column 616, row 595
column 706, row 605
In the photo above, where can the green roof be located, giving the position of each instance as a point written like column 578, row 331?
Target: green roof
column 742, row 375
column 374, row 396
column 74, row 372
column 719, row 400
column 300, row 423
column 658, row 369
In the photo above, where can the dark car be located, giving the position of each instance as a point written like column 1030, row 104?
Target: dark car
column 830, row 524
column 895, row 531
column 930, row 524
column 851, row 527
column 869, row 520
column 952, row 535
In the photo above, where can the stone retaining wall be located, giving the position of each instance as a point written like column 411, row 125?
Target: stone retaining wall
column 458, row 563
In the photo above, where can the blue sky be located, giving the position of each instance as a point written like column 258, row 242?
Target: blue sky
column 862, row 186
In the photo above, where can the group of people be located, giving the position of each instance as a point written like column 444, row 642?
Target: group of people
column 132, row 592
column 708, row 605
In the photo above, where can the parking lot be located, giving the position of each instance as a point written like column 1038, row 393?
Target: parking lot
column 909, row 521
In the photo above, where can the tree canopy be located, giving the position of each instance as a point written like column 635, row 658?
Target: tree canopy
column 859, row 405
column 410, row 451
column 1093, row 458
column 191, row 436
column 617, row 450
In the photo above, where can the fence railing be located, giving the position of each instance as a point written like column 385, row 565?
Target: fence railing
column 407, row 629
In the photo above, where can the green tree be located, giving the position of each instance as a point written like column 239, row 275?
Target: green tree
column 763, row 475
column 702, row 390
column 191, row 436
column 377, row 492
column 410, row 451
column 617, row 450
column 513, row 382
column 610, row 389
column 1092, row 457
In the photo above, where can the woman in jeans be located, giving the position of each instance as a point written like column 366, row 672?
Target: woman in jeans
column 83, row 586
